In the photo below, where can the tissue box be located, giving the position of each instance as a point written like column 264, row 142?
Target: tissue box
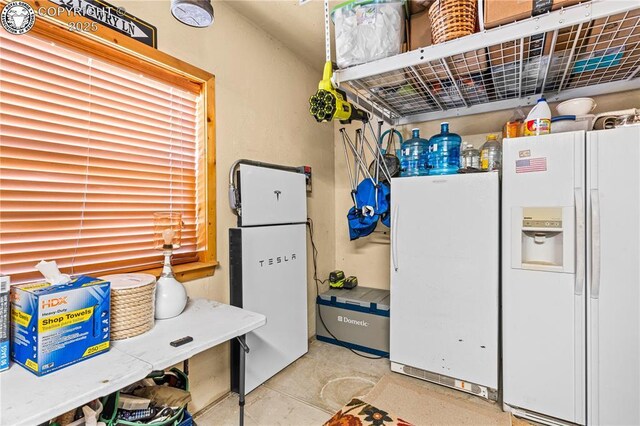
column 500, row 12
column 4, row 322
column 55, row 326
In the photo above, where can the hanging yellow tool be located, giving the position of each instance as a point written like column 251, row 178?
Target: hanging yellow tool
column 330, row 103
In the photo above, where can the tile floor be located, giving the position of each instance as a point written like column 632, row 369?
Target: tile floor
column 308, row 392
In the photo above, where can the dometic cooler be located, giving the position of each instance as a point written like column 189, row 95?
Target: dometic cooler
column 359, row 318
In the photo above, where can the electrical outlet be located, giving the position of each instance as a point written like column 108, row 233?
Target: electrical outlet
column 307, row 172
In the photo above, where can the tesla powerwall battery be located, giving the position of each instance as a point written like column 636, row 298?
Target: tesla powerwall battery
column 271, row 196
column 269, row 276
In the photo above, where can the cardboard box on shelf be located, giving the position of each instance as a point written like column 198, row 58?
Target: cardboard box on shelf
column 420, row 30
column 406, row 44
column 418, row 6
column 557, row 4
column 501, row 12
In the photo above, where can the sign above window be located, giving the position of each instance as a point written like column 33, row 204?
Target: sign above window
column 116, row 18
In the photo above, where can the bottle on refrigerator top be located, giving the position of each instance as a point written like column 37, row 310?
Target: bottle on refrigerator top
column 538, row 122
column 513, row 127
column 413, row 161
column 491, row 154
column 470, row 158
column 444, row 152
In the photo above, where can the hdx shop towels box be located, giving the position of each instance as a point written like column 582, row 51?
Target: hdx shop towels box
column 359, row 318
column 4, row 322
column 55, row 326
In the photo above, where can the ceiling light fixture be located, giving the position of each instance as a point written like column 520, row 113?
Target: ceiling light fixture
column 195, row 13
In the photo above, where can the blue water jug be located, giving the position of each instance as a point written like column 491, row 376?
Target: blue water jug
column 444, row 152
column 413, row 161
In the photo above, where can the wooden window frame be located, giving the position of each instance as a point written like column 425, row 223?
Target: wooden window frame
column 116, row 48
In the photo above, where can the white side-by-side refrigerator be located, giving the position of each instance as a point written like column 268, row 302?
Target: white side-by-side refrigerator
column 571, row 277
column 445, row 280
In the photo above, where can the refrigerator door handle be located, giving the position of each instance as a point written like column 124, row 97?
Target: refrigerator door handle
column 580, row 241
column 595, row 244
column 394, row 233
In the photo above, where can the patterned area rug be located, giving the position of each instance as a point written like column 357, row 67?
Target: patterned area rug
column 360, row 413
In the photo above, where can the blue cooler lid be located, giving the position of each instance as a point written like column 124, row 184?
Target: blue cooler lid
column 364, row 297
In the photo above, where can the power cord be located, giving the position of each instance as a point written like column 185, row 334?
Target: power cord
column 319, row 282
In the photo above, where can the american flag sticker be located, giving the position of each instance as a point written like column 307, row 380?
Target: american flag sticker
column 531, row 165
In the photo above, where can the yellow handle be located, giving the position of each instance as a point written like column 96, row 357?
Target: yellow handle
column 325, row 84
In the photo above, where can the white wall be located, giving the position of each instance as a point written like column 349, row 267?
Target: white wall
column 262, row 92
column 368, row 258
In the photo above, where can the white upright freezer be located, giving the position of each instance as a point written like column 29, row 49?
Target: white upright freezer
column 571, row 277
column 445, row 280
column 268, row 270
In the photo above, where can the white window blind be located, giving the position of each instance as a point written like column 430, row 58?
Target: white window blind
column 88, row 152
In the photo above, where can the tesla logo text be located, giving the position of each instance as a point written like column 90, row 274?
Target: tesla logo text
column 277, row 194
column 52, row 303
column 275, row 260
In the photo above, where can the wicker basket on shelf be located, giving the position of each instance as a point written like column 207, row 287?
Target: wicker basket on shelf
column 451, row 19
column 132, row 304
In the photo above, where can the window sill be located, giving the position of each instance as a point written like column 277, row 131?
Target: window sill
column 188, row 271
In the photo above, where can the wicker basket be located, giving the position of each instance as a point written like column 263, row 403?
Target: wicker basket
column 132, row 304
column 451, row 19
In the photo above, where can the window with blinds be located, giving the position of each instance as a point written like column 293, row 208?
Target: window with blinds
column 88, row 152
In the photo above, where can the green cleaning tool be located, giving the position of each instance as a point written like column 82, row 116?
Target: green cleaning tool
column 336, row 279
column 330, row 103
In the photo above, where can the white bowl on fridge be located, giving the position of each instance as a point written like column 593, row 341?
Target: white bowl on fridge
column 577, row 106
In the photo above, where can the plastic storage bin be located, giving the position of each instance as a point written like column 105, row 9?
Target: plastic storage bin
column 366, row 30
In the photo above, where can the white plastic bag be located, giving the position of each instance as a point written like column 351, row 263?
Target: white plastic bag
column 368, row 31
